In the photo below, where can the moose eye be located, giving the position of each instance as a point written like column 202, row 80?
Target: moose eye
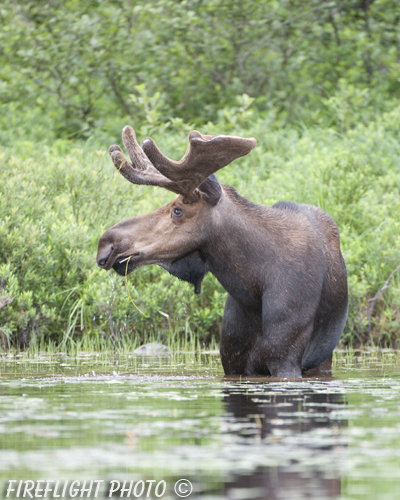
column 177, row 212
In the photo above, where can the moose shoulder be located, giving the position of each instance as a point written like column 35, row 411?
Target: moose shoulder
column 281, row 265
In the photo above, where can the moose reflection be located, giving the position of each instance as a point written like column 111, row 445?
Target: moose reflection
column 281, row 265
column 295, row 426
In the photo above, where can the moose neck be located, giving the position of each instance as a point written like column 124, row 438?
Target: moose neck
column 235, row 254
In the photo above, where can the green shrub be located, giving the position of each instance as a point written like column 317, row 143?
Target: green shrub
column 82, row 66
column 57, row 200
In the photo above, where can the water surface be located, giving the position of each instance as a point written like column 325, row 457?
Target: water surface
column 99, row 417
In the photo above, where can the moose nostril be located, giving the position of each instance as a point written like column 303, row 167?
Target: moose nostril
column 103, row 256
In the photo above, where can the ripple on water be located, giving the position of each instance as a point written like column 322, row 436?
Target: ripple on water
column 179, row 417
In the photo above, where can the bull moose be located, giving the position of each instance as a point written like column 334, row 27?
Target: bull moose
column 281, row 265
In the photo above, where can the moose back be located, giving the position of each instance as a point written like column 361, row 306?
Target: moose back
column 281, row 265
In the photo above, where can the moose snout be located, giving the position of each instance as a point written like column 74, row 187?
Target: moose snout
column 103, row 255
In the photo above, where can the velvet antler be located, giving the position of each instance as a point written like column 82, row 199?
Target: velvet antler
column 141, row 170
column 205, row 155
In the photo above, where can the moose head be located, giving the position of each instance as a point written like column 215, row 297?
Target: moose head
column 180, row 228
column 281, row 265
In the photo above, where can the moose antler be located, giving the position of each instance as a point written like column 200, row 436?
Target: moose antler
column 205, row 155
column 141, row 170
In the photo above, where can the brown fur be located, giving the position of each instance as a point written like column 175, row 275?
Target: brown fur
column 281, row 266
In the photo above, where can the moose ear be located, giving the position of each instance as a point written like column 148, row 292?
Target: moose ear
column 211, row 188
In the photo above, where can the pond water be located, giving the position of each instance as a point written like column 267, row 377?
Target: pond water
column 144, row 421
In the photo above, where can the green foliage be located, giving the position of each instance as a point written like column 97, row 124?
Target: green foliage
column 90, row 65
column 315, row 82
column 56, row 201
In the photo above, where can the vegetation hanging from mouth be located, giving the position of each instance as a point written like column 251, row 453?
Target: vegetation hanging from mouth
column 126, row 284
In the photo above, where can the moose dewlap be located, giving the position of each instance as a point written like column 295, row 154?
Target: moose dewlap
column 281, row 265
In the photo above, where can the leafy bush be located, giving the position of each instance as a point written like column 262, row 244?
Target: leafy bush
column 57, row 200
column 316, row 84
column 82, row 65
